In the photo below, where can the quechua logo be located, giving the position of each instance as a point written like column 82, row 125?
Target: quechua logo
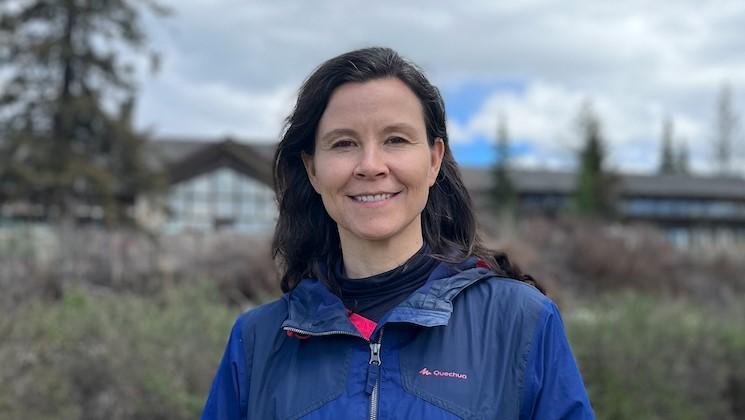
column 442, row 373
column 425, row 372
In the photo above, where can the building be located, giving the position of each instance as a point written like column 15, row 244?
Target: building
column 691, row 210
column 213, row 185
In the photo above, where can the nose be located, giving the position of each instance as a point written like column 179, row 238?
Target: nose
column 371, row 165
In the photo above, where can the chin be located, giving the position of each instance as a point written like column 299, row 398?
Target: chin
column 373, row 232
column 374, row 235
column 380, row 230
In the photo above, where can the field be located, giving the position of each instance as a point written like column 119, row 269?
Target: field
column 121, row 325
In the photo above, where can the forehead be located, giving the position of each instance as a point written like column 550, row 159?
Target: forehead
column 373, row 104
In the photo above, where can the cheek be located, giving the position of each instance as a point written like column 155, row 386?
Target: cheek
column 323, row 174
column 420, row 178
column 333, row 164
column 329, row 185
column 327, row 181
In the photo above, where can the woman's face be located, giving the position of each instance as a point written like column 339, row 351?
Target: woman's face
column 372, row 164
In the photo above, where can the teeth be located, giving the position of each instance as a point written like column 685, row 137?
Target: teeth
column 376, row 197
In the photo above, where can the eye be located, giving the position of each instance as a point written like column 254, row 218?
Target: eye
column 342, row 143
column 397, row 140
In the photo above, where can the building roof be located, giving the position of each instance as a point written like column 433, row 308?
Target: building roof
column 164, row 151
column 187, row 158
column 685, row 186
column 524, row 181
column 659, row 186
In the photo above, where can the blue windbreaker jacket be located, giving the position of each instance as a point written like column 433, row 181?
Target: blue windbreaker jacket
column 466, row 345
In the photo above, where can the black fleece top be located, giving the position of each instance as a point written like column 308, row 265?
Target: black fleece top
column 372, row 297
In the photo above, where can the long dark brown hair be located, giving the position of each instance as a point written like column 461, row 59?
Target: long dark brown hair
column 306, row 236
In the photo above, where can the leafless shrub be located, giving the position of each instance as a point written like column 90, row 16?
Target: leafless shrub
column 572, row 257
column 42, row 261
column 241, row 265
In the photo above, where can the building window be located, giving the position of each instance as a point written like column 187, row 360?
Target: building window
column 222, row 199
column 686, row 208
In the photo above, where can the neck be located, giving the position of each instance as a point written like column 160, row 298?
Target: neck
column 368, row 258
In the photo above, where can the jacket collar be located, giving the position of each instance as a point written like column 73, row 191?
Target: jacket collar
column 313, row 309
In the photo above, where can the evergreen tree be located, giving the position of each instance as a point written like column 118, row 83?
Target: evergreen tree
column 503, row 194
column 68, row 148
column 682, row 158
column 595, row 188
column 725, row 130
column 667, row 155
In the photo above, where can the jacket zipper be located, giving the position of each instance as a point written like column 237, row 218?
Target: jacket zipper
column 299, row 331
column 373, row 376
column 373, row 370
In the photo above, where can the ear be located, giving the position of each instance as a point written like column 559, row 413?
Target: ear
column 437, row 150
column 310, row 168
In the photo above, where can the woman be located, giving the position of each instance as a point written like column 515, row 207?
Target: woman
column 392, row 306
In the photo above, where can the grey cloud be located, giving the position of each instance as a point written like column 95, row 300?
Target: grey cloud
column 638, row 53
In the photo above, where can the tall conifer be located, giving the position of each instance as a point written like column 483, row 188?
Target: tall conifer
column 725, row 130
column 67, row 146
column 667, row 154
column 595, row 187
column 503, row 194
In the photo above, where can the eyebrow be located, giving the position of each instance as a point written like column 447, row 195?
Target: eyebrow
column 407, row 128
column 400, row 127
column 337, row 132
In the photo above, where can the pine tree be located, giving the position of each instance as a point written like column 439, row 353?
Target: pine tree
column 682, row 158
column 725, row 129
column 595, row 188
column 68, row 149
column 503, row 194
column 667, row 155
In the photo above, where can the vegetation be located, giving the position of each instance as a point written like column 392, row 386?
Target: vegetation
column 682, row 159
column 42, row 263
column 673, row 160
column 667, row 156
column 643, row 358
column 725, row 130
column 503, row 194
column 658, row 333
column 113, row 356
column 68, row 149
column 595, row 193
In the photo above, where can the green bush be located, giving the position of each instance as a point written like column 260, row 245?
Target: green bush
column 90, row 356
column 643, row 358
column 128, row 356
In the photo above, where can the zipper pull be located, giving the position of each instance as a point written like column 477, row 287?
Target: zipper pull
column 373, row 368
column 375, row 354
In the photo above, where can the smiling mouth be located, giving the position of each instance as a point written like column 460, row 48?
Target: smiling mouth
column 370, row 198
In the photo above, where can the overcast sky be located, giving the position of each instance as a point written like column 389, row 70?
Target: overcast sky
column 232, row 67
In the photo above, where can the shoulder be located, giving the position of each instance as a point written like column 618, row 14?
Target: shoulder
column 509, row 296
column 263, row 318
column 505, row 307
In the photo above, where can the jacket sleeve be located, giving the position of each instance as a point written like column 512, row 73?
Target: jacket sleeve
column 229, row 392
column 553, row 387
